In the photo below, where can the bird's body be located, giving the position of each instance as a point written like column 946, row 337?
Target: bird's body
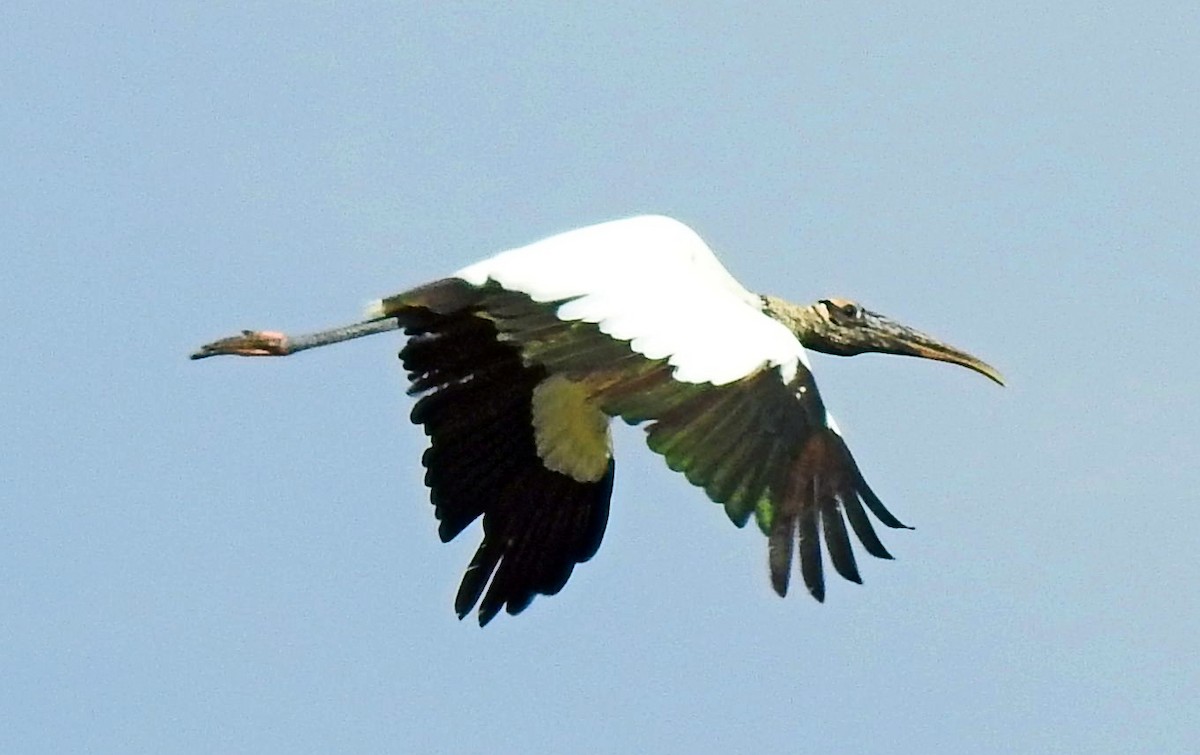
column 651, row 281
column 521, row 361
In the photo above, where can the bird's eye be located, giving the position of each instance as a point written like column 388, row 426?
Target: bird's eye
column 842, row 311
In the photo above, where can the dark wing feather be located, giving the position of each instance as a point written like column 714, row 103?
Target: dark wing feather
column 760, row 444
column 475, row 405
column 810, row 551
column 837, row 540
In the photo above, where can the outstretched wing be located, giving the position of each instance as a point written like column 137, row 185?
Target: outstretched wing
column 476, row 402
column 642, row 314
column 761, row 444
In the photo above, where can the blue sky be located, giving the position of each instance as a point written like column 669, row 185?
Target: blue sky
column 239, row 556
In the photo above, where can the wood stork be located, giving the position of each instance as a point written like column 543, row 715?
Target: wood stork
column 522, row 360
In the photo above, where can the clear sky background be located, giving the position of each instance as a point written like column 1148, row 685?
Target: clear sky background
column 239, row 556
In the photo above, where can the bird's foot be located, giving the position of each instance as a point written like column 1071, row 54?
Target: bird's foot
column 249, row 343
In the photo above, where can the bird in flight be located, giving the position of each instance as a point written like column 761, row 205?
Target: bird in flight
column 521, row 361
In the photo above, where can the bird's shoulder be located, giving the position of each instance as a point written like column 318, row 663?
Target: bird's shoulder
column 641, row 255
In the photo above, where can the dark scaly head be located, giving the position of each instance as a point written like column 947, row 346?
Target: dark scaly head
column 845, row 328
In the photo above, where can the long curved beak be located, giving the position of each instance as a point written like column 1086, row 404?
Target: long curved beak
column 900, row 339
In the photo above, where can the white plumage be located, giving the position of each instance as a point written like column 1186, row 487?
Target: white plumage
column 652, row 281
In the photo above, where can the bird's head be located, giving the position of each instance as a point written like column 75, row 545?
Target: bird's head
column 846, row 328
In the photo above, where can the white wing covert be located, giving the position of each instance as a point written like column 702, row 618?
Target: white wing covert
column 653, row 282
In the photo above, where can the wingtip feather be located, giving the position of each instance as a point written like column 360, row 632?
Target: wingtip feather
column 779, row 552
column 817, row 591
column 779, row 582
